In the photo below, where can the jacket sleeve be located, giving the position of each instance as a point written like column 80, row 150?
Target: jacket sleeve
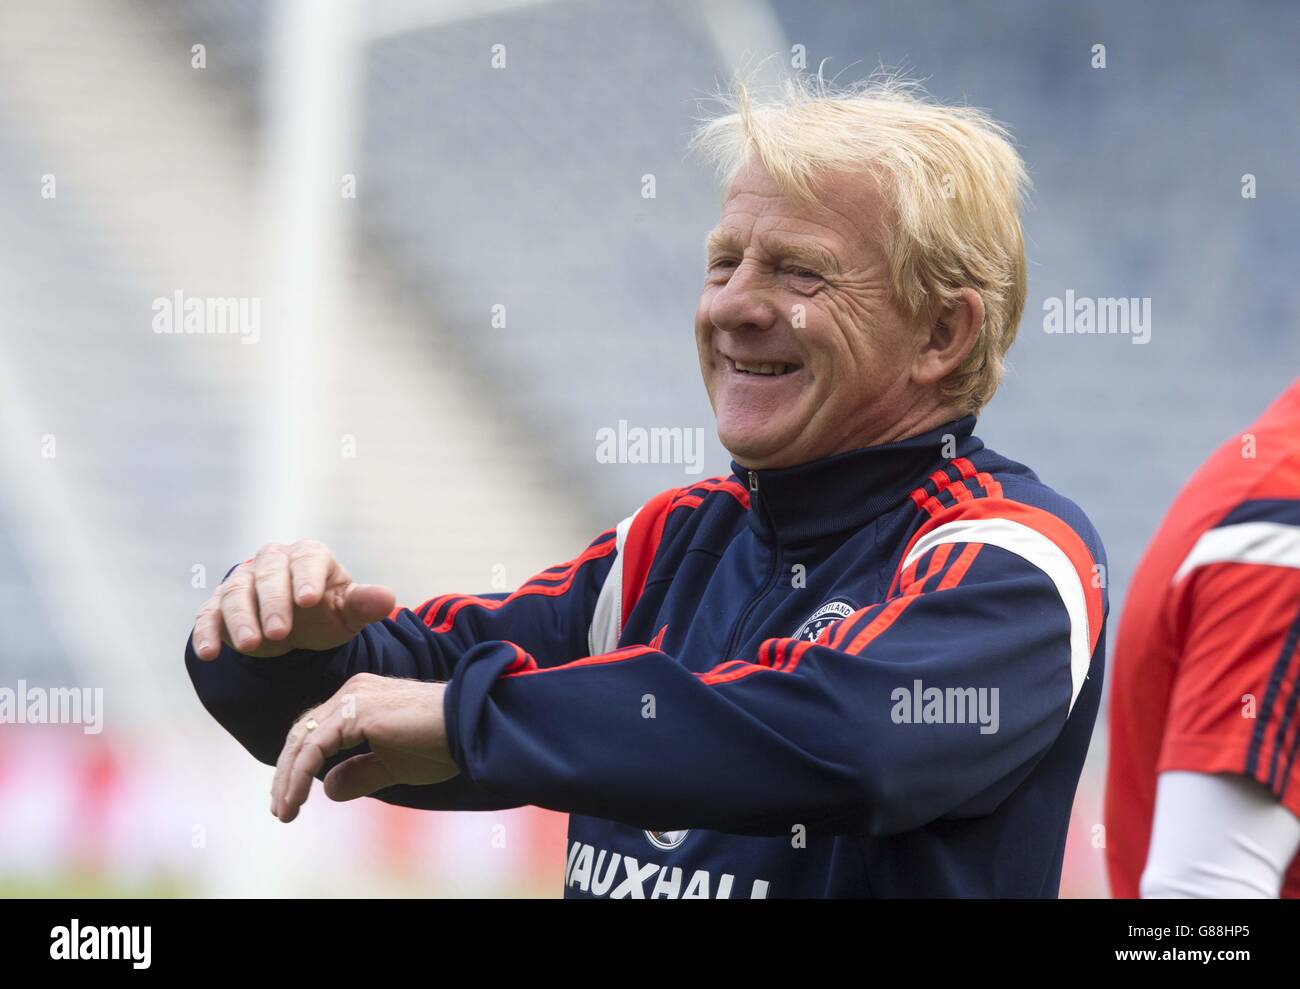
column 1235, row 607
column 935, row 702
column 257, row 700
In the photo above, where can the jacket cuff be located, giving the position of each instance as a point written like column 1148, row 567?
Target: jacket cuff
column 466, row 699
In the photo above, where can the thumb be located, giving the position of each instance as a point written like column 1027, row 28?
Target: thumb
column 366, row 603
column 359, row 776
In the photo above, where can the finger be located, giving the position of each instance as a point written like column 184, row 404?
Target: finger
column 292, row 742
column 206, row 637
column 239, row 610
column 338, row 730
column 274, row 607
column 359, row 776
column 366, row 603
column 317, row 746
column 311, row 565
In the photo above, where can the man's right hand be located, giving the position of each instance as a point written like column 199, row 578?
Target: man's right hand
column 287, row 597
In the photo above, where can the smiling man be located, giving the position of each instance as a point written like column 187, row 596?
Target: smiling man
column 865, row 663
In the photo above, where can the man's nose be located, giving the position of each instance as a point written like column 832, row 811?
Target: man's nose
column 745, row 302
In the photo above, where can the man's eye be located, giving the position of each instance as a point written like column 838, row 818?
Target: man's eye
column 722, row 264
column 803, row 272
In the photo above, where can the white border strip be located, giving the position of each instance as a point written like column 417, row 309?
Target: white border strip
column 607, row 617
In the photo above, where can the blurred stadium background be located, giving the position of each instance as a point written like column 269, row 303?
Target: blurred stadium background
column 385, row 411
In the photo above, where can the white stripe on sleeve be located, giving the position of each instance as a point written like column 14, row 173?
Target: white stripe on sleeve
column 1036, row 548
column 1270, row 543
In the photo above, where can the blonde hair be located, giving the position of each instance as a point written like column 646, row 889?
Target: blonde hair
column 952, row 180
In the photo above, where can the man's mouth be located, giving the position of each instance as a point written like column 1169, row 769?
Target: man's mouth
column 773, row 369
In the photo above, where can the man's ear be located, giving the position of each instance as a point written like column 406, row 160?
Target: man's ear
column 953, row 332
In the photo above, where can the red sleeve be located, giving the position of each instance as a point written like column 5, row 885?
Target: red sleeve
column 1234, row 704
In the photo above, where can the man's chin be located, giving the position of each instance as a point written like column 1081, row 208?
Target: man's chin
column 758, row 451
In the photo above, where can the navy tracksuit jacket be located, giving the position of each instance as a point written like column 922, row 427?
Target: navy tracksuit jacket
column 871, row 675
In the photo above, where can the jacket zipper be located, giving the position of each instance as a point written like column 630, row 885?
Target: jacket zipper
column 768, row 584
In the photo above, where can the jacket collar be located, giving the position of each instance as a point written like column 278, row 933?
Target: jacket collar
column 848, row 490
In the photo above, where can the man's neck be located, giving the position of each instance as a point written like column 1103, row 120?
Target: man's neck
column 914, row 423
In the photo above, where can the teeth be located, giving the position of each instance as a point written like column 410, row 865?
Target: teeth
column 762, row 368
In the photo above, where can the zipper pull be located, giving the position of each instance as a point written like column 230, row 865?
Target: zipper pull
column 753, row 481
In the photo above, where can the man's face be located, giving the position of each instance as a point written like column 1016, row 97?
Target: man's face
column 804, row 353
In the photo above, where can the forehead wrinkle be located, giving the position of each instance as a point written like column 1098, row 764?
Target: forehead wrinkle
column 851, row 206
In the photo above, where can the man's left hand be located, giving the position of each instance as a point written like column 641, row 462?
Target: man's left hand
column 400, row 719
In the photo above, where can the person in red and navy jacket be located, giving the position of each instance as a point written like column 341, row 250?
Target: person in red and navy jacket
column 1206, row 683
column 865, row 663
